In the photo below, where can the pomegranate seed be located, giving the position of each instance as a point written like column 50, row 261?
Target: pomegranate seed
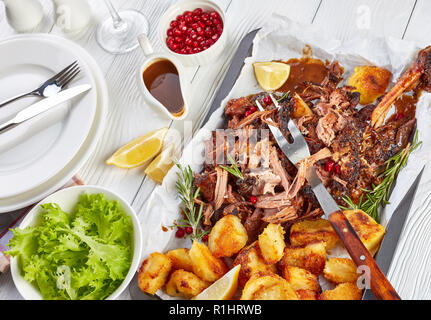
column 205, row 238
column 200, row 39
column 337, row 169
column 248, row 112
column 195, row 26
column 329, row 166
column 214, row 14
column 253, row 199
column 215, row 37
column 209, row 22
column 198, row 11
column 253, row 109
column 173, row 23
column 216, row 22
column 188, row 19
column 205, row 16
column 170, row 32
column 400, row 116
column 195, row 44
column 188, row 42
column 179, row 39
column 209, row 32
column 183, row 29
column 179, row 233
column 177, row 32
column 187, row 13
column 180, row 18
column 267, row 100
column 189, row 230
column 202, row 25
column 193, row 35
column 175, row 46
column 196, row 18
column 183, row 51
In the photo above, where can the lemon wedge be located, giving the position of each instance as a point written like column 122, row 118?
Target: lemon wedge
column 160, row 166
column 271, row 75
column 139, row 151
column 223, row 289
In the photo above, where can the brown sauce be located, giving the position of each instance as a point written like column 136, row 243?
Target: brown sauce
column 162, row 80
column 301, row 70
column 405, row 106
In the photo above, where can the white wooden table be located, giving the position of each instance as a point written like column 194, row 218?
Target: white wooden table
column 130, row 117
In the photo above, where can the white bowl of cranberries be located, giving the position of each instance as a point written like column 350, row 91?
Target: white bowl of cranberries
column 193, row 31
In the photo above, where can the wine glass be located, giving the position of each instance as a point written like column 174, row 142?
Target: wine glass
column 119, row 33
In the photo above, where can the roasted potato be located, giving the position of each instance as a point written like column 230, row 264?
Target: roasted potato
column 185, row 284
column 180, row 259
column 343, row 291
column 340, row 270
column 251, row 261
column 301, row 108
column 205, row 265
column 307, row 231
column 154, row 272
column 271, row 243
column 369, row 231
column 227, row 237
column 307, row 294
column 268, row 286
column 301, row 279
column 371, row 82
column 311, row 257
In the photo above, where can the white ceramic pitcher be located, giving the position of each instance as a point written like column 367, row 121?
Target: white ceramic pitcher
column 152, row 57
column 24, row 15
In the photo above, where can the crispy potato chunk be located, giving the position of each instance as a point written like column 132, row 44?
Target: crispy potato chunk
column 205, row 265
column 268, row 286
column 343, row 291
column 251, row 261
column 311, row 257
column 307, row 294
column 301, row 108
column 185, row 284
column 154, row 272
column 371, row 82
column 369, row 231
column 301, row 279
column 340, row 270
column 307, row 231
column 180, row 259
column 227, row 237
column 271, row 243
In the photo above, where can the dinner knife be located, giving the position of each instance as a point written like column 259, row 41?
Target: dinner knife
column 393, row 232
column 43, row 106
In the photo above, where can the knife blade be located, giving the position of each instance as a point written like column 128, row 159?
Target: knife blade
column 393, row 232
column 43, row 106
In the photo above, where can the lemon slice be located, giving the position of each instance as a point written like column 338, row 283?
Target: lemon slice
column 223, row 289
column 160, row 166
column 139, row 151
column 271, row 75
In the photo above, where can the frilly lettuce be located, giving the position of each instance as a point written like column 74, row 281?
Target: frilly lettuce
column 85, row 255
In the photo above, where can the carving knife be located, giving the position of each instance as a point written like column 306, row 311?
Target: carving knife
column 43, row 106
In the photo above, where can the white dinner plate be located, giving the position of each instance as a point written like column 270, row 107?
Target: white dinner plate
column 62, row 177
column 38, row 149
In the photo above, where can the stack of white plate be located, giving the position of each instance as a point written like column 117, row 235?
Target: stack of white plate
column 41, row 155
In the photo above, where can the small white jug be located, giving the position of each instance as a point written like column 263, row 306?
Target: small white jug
column 152, row 57
column 24, row 15
column 73, row 16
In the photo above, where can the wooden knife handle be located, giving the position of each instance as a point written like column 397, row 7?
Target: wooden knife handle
column 380, row 286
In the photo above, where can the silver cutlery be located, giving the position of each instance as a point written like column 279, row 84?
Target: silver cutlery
column 52, row 85
column 44, row 105
column 298, row 150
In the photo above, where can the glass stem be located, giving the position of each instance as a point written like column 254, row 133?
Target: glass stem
column 118, row 22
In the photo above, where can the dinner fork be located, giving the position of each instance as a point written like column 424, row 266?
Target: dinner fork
column 52, row 85
column 297, row 151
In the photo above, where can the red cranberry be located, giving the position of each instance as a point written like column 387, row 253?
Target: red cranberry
column 179, row 233
column 329, row 165
column 189, row 230
column 253, row 199
column 267, row 100
column 198, row 11
column 205, row 238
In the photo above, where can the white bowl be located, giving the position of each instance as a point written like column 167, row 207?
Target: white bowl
column 67, row 199
column 203, row 57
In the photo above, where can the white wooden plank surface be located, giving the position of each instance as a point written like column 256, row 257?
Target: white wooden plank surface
column 129, row 116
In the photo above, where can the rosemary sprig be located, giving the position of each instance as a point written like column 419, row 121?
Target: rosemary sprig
column 234, row 170
column 188, row 193
column 379, row 195
column 285, row 96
